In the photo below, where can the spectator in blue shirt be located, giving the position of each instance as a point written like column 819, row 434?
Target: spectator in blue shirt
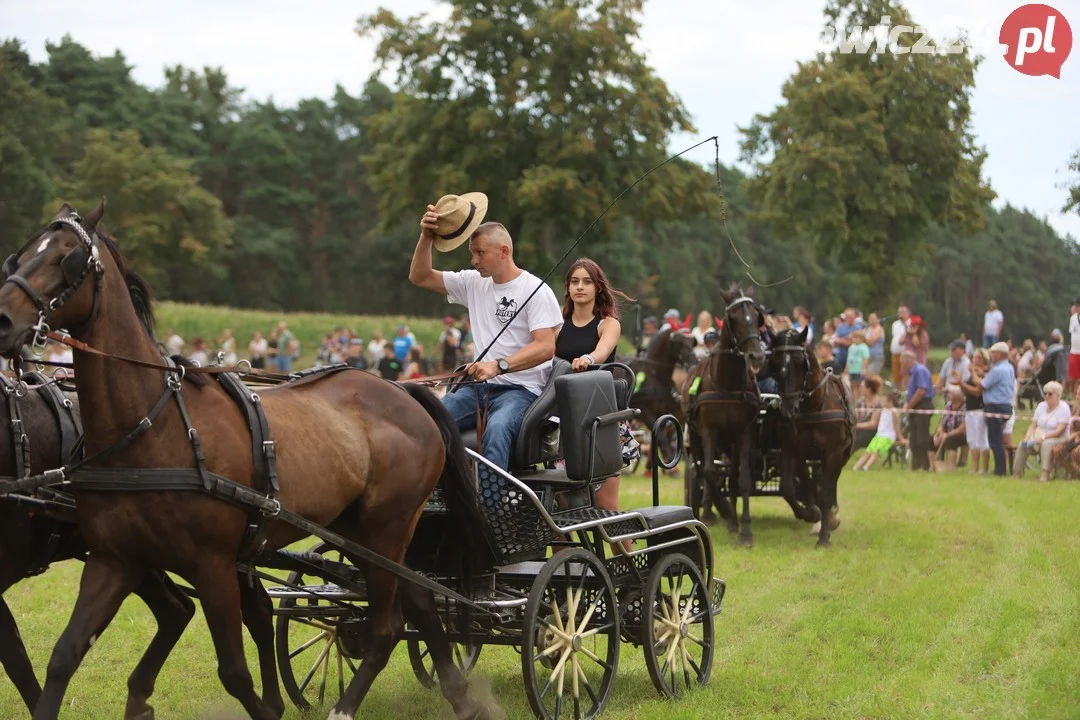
column 402, row 344
column 999, row 386
column 920, row 396
column 842, row 336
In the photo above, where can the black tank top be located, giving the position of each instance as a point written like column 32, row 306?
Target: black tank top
column 574, row 341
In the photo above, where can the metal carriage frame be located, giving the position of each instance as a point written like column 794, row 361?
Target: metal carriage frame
column 553, row 571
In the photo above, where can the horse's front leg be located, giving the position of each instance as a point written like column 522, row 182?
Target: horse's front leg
column 788, row 468
column 714, row 482
column 746, row 482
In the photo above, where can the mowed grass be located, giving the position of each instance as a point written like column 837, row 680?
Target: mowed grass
column 944, row 596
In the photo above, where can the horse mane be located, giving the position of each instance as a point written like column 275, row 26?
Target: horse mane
column 142, row 298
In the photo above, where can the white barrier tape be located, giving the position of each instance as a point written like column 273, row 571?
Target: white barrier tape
column 1003, row 416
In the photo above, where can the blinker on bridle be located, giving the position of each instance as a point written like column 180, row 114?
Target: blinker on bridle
column 74, row 268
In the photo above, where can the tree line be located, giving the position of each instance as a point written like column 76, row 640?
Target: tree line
column 866, row 186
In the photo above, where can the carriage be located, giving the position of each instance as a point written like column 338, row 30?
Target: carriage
column 765, row 458
column 560, row 593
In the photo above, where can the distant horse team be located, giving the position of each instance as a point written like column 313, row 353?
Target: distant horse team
column 73, row 275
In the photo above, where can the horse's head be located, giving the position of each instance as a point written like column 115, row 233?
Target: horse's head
column 44, row 283
column 743, row 320
column 790, row 364
column 681, row 348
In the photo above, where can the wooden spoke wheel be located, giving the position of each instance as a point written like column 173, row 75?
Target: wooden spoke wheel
column 570, row 637
column 676, row 612
column 319, row 642
column 423, row 666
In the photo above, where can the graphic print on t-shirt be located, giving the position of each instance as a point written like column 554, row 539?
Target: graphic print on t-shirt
column 505, row 309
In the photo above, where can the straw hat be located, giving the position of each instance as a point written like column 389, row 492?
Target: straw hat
column 459, row 216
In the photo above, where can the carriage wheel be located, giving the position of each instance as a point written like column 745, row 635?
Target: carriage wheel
column 318, row 642
column 570, row 637
column 677, row 612
column 465, row 657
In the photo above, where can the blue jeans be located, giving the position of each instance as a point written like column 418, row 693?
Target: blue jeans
column 989, row 340
column 506, row 408
column 995, row 428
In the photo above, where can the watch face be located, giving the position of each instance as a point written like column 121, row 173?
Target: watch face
column 504, row 365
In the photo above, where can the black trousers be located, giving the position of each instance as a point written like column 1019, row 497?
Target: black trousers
column 921, row 441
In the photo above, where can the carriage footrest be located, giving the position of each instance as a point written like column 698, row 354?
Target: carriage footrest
column 717, row 589
column 662, row 515
column 599, row 517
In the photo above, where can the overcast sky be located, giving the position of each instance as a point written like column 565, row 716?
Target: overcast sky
column 726, row 59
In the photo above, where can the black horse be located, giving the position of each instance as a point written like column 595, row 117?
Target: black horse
column 722, row 409
column 656, row 393
column 818, row 425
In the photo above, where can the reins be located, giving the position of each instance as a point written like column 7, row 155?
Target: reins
column 243, row 368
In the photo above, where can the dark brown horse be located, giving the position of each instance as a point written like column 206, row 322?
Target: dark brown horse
column 354, row 453
column 39, row 530
column 818, row 424
column 657, row 391
column 722, row 412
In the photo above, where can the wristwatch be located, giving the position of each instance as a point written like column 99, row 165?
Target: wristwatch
column 504, row 365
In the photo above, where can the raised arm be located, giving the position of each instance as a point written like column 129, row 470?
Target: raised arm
column 421, row 273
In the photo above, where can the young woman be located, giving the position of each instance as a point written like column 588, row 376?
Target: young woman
column 588, row 336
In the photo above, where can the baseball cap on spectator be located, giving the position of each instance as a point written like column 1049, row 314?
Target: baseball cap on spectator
column 672, row 312
column 711, row 336
column 957, row 344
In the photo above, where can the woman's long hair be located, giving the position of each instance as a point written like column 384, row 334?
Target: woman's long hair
column 605, row 305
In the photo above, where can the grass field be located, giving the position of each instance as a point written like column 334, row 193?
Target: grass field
column 944, row 596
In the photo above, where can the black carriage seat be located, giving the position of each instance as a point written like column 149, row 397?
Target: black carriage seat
column 590, row 406
column 528, row 449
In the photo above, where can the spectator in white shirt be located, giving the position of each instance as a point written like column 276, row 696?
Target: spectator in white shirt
column 1048, row 428
column 896, row 345
column 993, row 322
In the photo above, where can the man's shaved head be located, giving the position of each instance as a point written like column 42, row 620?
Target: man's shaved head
column 495, row 233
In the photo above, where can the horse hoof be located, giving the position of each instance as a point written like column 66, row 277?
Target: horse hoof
column 834, row 519
column 823, row 545
column 146, row 712
column 746, row 540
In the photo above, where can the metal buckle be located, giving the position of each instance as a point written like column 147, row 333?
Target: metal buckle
column 275, row 508
column 268, row 448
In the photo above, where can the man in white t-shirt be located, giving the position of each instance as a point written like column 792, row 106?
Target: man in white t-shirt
column 518, row 365
column 993, row 321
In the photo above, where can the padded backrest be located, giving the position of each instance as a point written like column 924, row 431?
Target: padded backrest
column 580, row 398
column 529, row 444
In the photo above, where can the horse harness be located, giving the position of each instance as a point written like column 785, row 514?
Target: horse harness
column 260, row 500
column 740, row 397
column 54, row 506
column 818, row 416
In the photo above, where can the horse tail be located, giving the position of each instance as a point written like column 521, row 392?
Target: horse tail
column 468, row 524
